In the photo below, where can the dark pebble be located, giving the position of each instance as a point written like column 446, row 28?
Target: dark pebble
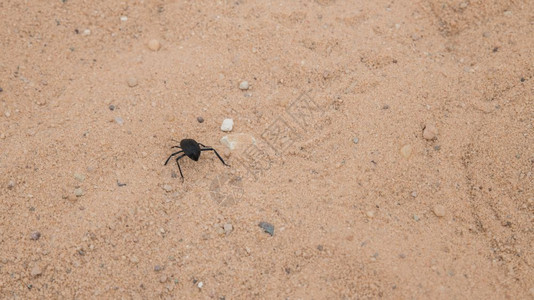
column 112, row 107
column 267, row 227
column 437, row 147
column 522, row 80
column 35, row 235
column 200, row 119
column 385, row 107
column 1, row 89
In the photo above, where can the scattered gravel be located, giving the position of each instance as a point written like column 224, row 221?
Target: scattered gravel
column 132, row 81
column 227, row 125
column 244, row 85
column 34, row 236
column 228, row 228
column 78, row 192
column 267, row 227
column 406, row 151
column 79, row 177
column 430, row 132
column 36, row 271
column 154, row 45
column 200, row 119
column 439, row 210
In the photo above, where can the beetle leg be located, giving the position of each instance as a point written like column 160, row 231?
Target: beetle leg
column 172, row 156
column 211, row 149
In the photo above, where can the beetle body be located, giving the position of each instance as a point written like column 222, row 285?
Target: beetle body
column 191, row 148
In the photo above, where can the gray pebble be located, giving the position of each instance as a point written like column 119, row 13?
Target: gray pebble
column 355, row 140
column 416, row 218
column 78, row 192
column 157, row 268
column 200, row 119
column 35, row 236
column 119, row 120
column 267, row 227
column 111, row 107
column 385, row 106
column 244, row 85
column 11, row 184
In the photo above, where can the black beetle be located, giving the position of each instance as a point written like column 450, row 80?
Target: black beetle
column 191, row 149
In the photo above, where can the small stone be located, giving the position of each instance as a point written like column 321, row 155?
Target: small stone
column 430, row 132
column 79, row 177
column 154, row 45
column 119, row 120
column 132, row 81
column 200, row 285
column 439, row 210
column 157, row 268
column 87, row 32
column 111, row 107
column 36, row 271
column 78, row 192
column 406, row 151
column 200, row 119
column 370, row 214
column 167, row 188
column 414, row 194
column 7, row 114
column 416, row 218
column 267, row 227
column 1, row 89
column 244, row 85
column 34, row 236
column 228, row 228
column 355, row 140
column 238, row 141
column 124, row 18
column 11, row 184
column 163, row 279
column 385, row 107
column 227, row 125
column 134, row 259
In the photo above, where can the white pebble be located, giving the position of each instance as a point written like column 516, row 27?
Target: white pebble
column 227, row 125
column 124, row 18
column 244, row 85
column 370, row 214
column 86, row 32
column 200, row 284
column 237, row 141
column 167, row 188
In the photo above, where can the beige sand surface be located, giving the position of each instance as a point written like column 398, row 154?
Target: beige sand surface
column 87, row 209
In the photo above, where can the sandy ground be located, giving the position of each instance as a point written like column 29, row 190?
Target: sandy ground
column 89, row 108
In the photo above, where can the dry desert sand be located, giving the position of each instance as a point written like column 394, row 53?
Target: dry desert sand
column 389, row 143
